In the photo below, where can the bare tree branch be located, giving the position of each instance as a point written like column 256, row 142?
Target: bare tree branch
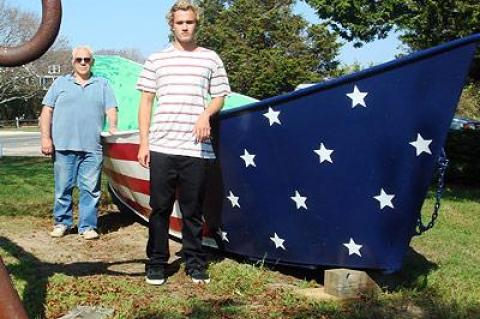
column 21, row 87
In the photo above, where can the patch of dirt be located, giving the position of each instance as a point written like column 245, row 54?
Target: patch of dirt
column 120, row 248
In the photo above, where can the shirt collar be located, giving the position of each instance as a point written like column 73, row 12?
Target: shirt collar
column 91, row 80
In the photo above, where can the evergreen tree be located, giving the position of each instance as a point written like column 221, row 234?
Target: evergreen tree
column 421, row 23
column 266, row 48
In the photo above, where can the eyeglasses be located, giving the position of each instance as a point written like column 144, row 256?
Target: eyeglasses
column 83, row 60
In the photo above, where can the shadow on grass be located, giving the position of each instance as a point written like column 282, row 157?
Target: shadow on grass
column 414, row 272
column 35, row 274
column 417, row 302
column 109, row 221
column 414, row 299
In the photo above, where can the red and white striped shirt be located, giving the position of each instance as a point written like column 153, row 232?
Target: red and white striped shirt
column 183, row 82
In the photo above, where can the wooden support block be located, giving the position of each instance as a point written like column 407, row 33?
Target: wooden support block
column 347, row 283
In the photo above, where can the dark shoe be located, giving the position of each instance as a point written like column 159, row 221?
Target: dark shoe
column 199, row 276
column 155, row 276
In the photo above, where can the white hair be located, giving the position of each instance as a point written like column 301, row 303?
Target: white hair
column 82, row 47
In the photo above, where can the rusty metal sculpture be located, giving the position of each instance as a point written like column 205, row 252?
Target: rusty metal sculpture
column 41, row 41
column 10, row 305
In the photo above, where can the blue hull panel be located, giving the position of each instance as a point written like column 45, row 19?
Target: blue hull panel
column 336, row 174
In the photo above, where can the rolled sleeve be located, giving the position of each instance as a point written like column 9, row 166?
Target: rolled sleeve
column 51, row 97
column 219, row 85
column 147, row 78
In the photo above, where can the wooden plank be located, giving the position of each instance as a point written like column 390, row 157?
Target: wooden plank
column 347, row 283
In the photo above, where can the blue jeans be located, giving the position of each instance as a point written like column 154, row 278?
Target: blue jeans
column 83, row 169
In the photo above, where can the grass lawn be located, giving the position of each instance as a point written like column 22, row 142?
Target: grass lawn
column 20, row 129
column 440, row 277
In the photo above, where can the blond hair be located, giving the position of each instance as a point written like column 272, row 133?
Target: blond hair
column 82, row 47
column 183, row 5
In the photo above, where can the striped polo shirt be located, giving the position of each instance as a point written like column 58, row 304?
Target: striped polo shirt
column 183, row 83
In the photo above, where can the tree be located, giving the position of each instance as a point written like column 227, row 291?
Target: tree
column 421, row 23
column 21, row 87
column 13, row 32
column 267, row 50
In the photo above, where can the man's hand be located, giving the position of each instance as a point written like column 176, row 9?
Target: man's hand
column 45, row 130
column 144, row 156
column 47, row 146
column 201, row 130
column 144, row 113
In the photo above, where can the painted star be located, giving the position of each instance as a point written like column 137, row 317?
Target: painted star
column 353, row 248
column 277, row 241
column 272, row 116
column 358, row 97
column 248, row 158
column 385, row 199
column 223, row 234
column 299, row 200
column 233, row 200
column 324, row 153
column 421, row 145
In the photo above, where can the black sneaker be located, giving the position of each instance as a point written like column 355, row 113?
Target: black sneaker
column 199, row 276
column 155, row 276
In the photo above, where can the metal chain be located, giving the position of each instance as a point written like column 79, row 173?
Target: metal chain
column 442, row 165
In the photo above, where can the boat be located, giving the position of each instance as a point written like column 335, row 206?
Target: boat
column 331, row 175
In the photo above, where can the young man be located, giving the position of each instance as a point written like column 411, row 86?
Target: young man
column 71, row 122
column 176, row 144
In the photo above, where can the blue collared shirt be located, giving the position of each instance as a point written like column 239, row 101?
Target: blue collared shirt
column 79, row 112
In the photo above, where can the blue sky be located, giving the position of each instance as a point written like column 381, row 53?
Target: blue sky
column 141, row 24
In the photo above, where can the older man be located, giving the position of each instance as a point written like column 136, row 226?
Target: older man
column 71, row 122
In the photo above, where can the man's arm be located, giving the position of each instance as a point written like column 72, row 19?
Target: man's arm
column 46, row 129
column 201, row 130
column 112, row 119
column 144, row 115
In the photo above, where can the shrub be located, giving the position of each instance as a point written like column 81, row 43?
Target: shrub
column 469, row 104
column 463, row 152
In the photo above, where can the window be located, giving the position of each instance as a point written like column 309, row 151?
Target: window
column 54, row 69
column 46, row 81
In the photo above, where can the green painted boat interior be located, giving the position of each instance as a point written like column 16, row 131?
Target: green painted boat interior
column 123, row 74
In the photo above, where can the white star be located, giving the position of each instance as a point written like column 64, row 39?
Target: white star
column 358, row 97
column 300, row 201
column 324, row 153
column 278, row 241
column 384, row 199
column 233, row 199
column 421, row 145
column 248, row 158
column 353, row 248
column 223, row 234
column 272, row 116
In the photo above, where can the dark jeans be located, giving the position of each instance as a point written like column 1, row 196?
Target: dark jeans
column 167, row 174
